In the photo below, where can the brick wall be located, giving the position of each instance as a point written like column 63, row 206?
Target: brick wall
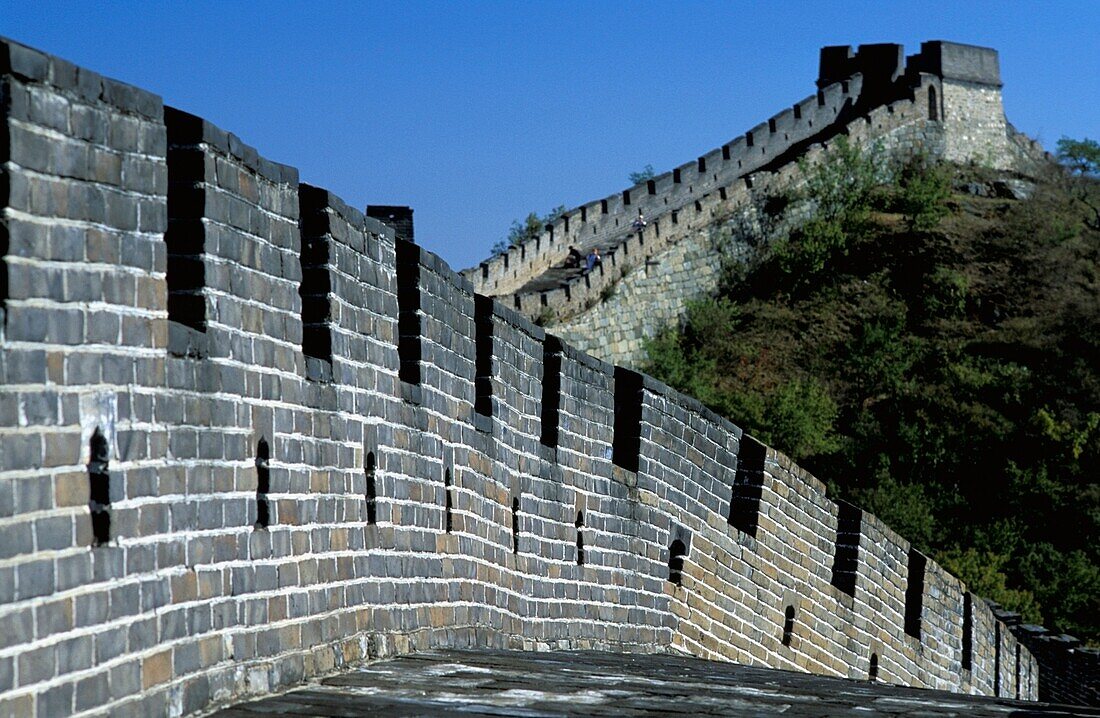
column 226, row 494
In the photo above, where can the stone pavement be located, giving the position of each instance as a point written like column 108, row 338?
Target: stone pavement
column 584, row 683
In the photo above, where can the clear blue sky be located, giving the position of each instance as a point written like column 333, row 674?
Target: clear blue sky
column 475, row 113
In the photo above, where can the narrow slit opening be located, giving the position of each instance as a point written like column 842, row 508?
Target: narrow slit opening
column 263, row 484
column 551, row 390
column 968, row 633
column 788, row 625
column 408, row 311
column 99, row 488
column 372, row 490
column 676, row 553
column 515, row 525
column 914, row 593
column 580, row 538
column 448, row 502
column 483, row 357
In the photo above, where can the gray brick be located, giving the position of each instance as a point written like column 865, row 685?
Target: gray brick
column 52, row 618
column 40, row 408
column 110, row 644
column 125, row 601
column 92, row 692
column 7, row 673
column 125, row 680
column 75, row 654
column 54, row 533
column 143, row 634
column 16, row 539
column 34, row 578
column 108, row 563
column 18, row 628
column 74, row 570
column 37, row 665
column 56, row 701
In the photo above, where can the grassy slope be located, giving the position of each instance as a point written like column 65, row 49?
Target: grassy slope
column 947, row 380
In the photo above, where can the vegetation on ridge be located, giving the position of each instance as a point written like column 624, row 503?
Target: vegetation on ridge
column 929, row 345
column 530, row 228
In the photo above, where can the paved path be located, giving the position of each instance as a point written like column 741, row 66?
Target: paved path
column 533, row 685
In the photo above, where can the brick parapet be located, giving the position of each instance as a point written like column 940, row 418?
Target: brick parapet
column 271, row 522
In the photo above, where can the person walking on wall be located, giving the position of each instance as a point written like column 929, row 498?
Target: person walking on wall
column 573, row 259
column 639, row 222
column 593, row 259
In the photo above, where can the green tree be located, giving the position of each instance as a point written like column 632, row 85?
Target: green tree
column 530, row 228
column 983, row 573
column 642, row 175
column 838, row 192
column 1081, row 156
column 1083, row 159
column 923, row 190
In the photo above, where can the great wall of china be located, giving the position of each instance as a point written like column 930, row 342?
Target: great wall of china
column 944, row 101
column 249, row 437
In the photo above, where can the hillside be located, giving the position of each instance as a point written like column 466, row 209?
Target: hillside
column 930, row 347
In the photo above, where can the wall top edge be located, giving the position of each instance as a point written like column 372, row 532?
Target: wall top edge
column 31, row 65
column 185, row 128
column 511, row 317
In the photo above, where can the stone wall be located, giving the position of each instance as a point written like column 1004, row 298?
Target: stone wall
column 248, row 437
column 645, row 287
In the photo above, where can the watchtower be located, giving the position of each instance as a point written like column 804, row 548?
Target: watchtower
column 959, row 86
column 969, row 102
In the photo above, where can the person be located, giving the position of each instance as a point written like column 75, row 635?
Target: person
column 573, row 260
column 639, row 223
column 593, row 259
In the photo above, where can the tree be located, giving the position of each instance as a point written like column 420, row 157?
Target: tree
column 530, row 228
column 643, row 175
column 1081, row 156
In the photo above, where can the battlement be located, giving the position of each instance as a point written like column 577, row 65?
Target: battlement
column 955, row 61
column 248, row 436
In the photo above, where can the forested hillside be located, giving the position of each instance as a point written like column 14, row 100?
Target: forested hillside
column 929, row 346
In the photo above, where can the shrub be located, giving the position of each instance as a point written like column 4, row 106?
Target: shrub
column 923, row 190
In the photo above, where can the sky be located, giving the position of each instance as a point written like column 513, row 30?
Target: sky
column 476, row 113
